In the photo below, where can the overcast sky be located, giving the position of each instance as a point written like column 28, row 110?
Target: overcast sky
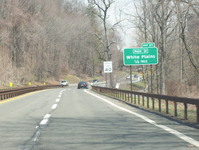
column 128, row 32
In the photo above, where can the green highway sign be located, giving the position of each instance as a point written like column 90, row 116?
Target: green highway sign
column 148, row 44
column 140, row 56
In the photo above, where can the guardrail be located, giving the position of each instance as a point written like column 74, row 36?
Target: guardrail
column 175, row 106
column 5, row 94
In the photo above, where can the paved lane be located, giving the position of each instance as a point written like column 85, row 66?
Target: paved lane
column 19, row 117
column 76, row 120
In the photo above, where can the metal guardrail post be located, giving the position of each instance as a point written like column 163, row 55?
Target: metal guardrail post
column 175, row 109
column 138, row 99
column 147, row 102
column 197, row 113
column 160, row 108
column 167, row 107
column 153, row 103
column 143, row 102
column 185, row 111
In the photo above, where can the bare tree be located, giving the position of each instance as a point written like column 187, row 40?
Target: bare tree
column 183, row 21
column 103, row 7
column 193, row 4
column 188, row 19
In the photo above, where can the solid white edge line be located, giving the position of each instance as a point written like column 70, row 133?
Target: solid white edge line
column 170, row 130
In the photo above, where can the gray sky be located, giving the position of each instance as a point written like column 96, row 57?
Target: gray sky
column 128, row 32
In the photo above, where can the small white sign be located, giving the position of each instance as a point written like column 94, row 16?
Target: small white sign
column 117, row 85
column 108, row 67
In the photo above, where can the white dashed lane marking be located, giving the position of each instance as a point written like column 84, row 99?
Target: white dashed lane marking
column 54, row 106
column 45, row 119
column 30, row 144
column 57, row 100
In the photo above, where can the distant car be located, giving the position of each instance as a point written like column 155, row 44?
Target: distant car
column 136, row 76
column 139, row 69
column 95, row 81
column 82, row 84
column 64, row 83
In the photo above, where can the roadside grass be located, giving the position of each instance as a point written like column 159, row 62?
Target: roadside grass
column 139, row 85
column 120, row 74
column 72, row 78
column 135, row 86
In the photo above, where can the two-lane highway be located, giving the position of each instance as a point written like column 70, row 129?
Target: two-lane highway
column 73, row 119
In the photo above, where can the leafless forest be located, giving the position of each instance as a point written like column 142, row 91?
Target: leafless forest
column 41, row 39
column 174, row 27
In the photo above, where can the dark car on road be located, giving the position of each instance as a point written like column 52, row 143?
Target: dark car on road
column 82, row 84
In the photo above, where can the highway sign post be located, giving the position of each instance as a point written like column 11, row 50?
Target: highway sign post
column 140, row 56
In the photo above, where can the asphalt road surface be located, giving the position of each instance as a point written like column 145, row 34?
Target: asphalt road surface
column 78, row 119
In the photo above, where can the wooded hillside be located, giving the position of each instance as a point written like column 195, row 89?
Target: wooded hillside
column 47, row 39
